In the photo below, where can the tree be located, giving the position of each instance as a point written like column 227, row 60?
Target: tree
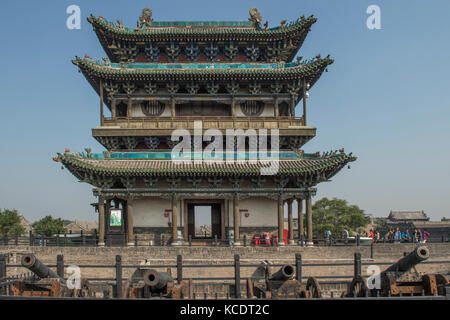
column 336, row 215
column 10, row 223
column 49, row 226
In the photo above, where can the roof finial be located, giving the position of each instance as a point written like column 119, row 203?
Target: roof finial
column 255, row 17
column 146, row 17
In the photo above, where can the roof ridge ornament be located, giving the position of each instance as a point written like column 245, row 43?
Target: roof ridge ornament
column 255, row 17
column 146, row 18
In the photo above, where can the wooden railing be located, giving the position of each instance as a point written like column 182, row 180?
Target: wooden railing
column 207, row 122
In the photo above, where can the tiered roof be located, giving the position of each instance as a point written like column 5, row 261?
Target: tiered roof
column 310, row 71
column 293, row 33
column 204, row 71
column 78, row 164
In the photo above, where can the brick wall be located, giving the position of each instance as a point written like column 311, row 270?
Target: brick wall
column 225, row 255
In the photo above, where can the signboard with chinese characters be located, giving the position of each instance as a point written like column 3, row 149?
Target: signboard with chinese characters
column 115, row 219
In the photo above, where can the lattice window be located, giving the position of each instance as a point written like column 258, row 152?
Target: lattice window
column 252, row 108
column 152, row 108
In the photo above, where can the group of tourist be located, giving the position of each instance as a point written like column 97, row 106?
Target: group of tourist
column 393, row 235
column 397, row 236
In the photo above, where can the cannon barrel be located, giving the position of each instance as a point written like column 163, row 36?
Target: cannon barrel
column 405, row 264
column 156, row 280
column 286, row 272
column 33, row 264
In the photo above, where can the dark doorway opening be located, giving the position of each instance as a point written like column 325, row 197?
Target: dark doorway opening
column 204, row 220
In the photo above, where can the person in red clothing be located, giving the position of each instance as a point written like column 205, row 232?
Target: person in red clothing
column 372, row 235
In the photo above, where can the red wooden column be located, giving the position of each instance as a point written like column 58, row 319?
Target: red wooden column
column 236, row 221
column 300, row 219
column 290, row 222
column 130, row 222
column 101, row 222
column 280, row 220
column 309, row 220
column 175, row 239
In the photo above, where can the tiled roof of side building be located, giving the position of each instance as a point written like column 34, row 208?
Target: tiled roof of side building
column 408, row 215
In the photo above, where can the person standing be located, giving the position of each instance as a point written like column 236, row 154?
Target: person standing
column 408, row 236
column 397, row 235
column 372, row 235
column 417, row 236
column 425, row 235
column 391, row 235
column 328, row 236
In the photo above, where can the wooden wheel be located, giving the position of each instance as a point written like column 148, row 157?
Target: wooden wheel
column 358, row 287
column 313, row 288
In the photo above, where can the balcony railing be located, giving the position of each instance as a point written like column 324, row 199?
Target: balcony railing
column 207, row 122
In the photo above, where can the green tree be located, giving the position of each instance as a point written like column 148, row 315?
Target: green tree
column 10, row 223
column 49, row 226
column 336, row 215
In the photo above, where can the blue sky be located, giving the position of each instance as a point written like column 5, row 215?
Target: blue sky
column 386, row 98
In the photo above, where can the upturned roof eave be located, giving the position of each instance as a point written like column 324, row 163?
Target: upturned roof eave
column 77, row 165
column 113, row 73
column 171, row 32
column 298, row 30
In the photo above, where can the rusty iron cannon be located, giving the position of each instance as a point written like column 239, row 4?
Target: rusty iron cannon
column 394, row 281
column 157, row 281
column 286, row 272
column 428, row 284
column 148, row 283
column 46, row 282
column 33, row 264
column 282, row 284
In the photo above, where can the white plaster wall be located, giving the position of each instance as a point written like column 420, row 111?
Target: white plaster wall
column 150, row 212
column 263, row 212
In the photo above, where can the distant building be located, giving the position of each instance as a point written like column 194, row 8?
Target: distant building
column 75, row 227
column 407, row 216
column 415, row 219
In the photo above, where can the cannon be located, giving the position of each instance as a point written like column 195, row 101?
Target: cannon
column 391, row 283
column 429, row 284
column 48, row 282
column 148, row 283
column 282, row 284
column 33, row 264
column 157, row 281
column 408, row 262
column 286, row 272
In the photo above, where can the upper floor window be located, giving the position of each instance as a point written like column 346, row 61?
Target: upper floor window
column 152, row 108
column 252, row 108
